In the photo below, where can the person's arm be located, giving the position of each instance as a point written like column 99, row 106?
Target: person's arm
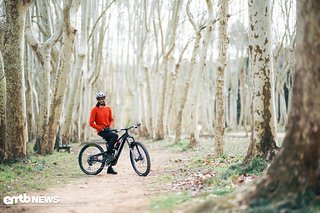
column 111, row 120
column 92, row 122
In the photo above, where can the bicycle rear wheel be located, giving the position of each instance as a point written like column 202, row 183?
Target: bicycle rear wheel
column 89, row 163
column 140, row 159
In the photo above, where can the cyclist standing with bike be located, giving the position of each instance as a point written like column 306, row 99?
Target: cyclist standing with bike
column 101, row 119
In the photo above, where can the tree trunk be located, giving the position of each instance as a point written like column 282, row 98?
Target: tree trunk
column 292, row 179
column 68, row 35
column 260, row 48
column 222, row 61
column 13, row 54
column 42, row 51
column 72, row 98
column 170, row 44
column 185, row 90
column 29, row 98
column 2, row 112
column 195, row 105
column 243, row 95
column 149, row 117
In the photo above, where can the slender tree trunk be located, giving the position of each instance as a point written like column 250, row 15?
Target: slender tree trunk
column 222, row 61
column 2, row 112
column 170, row 44
column 243, row 95
column 174, row 77
column 264, row 131
column 185, row 90
column 195, row 105
column 149, row 119
column 30, row 98
column 13, row 54
column 72, row 98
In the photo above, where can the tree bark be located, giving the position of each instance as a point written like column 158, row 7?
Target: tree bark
column 243, row 95
column 222, row 61
column 13, row 54
column 170, row 44
column 292, row 180
column 2, row 112
column 72, row 98
column 68, row 35
column 76, row 76
column 42, row 51
column 195, row 105
column 264, row 125
column 185, row 90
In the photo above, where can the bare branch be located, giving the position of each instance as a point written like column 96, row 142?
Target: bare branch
column 190, row 16
column 98, row 19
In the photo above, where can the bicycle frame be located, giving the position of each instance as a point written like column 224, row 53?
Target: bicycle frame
column 124, row 138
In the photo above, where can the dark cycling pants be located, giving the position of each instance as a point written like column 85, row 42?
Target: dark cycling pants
column 110, row 137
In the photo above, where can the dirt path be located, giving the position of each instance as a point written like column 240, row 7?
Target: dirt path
column 125, row 192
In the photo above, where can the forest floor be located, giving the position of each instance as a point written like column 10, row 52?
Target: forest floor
column 179, row 178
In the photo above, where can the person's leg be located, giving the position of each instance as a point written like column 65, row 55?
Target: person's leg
column 112, row 139
column 104, row 134
column 111, row 171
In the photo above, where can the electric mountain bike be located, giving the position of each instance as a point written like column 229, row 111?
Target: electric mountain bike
column 92, row 157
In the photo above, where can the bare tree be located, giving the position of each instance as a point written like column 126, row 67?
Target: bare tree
column 166, row 52
column 222, row 62
column 76, row 76
column 42, row 51
column 13, row 60
column 264, row 126
column 191, row 69
column 195, row 104
column 68, row 36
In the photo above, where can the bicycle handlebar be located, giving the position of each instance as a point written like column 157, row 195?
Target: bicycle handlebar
column 126, row 129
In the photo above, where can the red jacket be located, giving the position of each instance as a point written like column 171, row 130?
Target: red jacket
column 101, row 118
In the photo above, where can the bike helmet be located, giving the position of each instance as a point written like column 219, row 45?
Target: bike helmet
column 100, row 95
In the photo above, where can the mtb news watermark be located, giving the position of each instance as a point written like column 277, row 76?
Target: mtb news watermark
column 26, row 199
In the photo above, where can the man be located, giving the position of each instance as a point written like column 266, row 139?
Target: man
column 101, row 119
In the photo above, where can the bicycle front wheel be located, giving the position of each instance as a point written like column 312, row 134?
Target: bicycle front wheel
column 140, row 159
column 89, row 161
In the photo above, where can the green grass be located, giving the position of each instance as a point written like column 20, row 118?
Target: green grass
column 225, row 170
column 182, row 146
column 38, row 173
column 170, row 201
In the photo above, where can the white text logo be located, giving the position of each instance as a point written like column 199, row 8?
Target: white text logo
column 25, row 199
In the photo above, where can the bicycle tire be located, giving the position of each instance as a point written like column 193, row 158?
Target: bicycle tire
column 140, row 154
column 84, row 159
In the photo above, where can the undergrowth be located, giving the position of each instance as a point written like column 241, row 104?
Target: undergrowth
column 37, row 172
